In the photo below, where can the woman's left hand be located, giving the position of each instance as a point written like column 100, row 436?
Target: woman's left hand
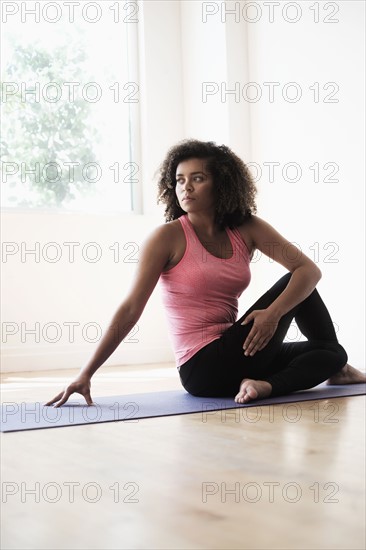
column 264, row 327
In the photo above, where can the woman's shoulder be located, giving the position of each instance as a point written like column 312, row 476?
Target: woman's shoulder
column 256, row 230
column 168, row 235
column 166, row 230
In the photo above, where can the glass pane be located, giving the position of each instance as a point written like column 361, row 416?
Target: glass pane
column 65, row 108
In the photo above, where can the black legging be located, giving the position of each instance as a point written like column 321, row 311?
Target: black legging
column 218, row 369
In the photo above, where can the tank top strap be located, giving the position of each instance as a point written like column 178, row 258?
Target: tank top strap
column 239, row 241
column 190, row 234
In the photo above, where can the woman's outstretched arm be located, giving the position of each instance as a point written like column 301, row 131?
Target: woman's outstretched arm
column 155, row 254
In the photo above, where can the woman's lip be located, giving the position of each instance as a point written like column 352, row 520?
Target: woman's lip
column 187, row 199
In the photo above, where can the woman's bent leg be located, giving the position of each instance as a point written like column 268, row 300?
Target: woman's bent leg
column 303, row 365
column 219, row 368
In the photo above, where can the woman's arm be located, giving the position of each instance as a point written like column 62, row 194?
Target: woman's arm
column 155, row 254
column 305, row 276
column 305, row 273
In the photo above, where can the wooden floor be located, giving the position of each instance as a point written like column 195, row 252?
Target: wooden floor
column 275, row 477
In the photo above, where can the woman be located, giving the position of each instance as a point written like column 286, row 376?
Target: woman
column 201, row 257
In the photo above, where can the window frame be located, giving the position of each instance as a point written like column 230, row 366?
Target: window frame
column 134, row 119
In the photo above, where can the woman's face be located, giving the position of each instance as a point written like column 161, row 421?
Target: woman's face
column 195, row 186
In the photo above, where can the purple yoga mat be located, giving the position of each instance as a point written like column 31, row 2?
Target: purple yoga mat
column 34, row 416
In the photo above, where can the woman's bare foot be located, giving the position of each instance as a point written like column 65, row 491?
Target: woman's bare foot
column 348, row 375
column 252, row 389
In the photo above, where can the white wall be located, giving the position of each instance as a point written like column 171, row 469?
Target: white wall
column 178, row 53
column 56, row 294
column 320, row 216
column 213, row 52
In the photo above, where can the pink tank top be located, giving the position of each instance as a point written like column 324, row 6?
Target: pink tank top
column 200, row 294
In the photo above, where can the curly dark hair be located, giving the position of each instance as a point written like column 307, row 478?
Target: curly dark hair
column 234, row 186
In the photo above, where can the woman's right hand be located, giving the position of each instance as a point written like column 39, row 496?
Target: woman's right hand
column 80, row 385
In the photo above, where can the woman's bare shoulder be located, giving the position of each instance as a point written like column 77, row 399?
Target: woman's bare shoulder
column 165, row 239
column 252, row 226
column 170, row 236
column 166, row 230
column 163, row 230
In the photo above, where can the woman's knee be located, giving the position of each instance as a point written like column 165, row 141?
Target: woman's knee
column 280, row 285
column 340, row 354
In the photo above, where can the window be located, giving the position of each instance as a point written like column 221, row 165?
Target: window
column 67, row 103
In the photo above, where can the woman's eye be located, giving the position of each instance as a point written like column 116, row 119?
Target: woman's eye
column 196, row 178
